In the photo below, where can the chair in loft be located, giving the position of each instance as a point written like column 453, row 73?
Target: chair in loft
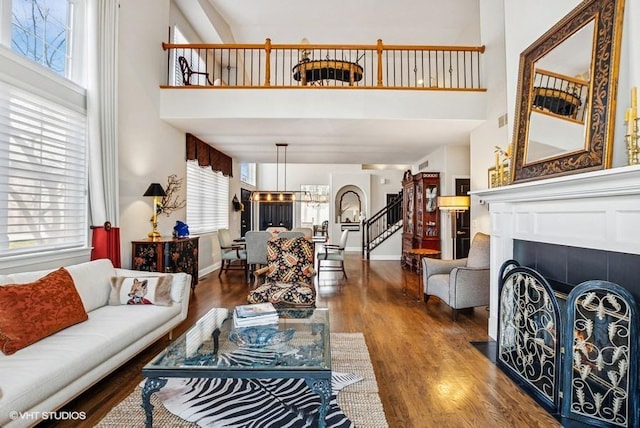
column 234, row 255
column 332, row 254
column 461, row 283
column 187, row 72
column 288, row 276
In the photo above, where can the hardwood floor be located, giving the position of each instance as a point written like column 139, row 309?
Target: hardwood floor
column 428, row 373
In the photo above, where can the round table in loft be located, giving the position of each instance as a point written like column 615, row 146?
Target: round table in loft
column 562, row 103
column 327, row 69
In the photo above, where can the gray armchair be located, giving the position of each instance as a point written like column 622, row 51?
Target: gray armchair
column 462, row 283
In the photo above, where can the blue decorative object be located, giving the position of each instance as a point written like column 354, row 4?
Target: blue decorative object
column 180, row 230
column 258, row 337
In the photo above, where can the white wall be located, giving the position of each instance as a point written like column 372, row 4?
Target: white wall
column 485, row 137
column 629, row 77
column 630, row 48
column 149, row 149
column 507, row 28
column 525, row 22
column 452, row 162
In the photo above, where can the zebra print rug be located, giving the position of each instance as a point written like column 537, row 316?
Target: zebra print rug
column 359, row 401
column 236, row 403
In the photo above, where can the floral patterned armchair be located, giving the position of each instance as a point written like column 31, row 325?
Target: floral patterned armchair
column 288, row 276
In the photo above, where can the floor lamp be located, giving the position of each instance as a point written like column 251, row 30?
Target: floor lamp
column 453, row 205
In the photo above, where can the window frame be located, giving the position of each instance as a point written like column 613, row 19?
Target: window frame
column 75, row 68
column 22, row 73
column 205, row 197
column 251, row 173
column 27, row 112
column 320, row 207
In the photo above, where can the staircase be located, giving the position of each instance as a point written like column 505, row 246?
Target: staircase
column 381, row 226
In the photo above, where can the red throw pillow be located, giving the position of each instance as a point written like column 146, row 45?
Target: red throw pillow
column 33, row 311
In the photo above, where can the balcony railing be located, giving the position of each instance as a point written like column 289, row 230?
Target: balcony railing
column 560, row 96
column 324, row 66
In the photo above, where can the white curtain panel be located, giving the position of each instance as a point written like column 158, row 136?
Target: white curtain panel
column 102, row 106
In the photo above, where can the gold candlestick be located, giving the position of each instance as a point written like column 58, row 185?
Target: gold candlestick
column 632, row 149
column 631, row 117
column 503, row 162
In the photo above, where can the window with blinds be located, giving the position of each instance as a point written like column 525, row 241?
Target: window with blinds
column 43, row 174
column 207, row 199
column 178, row 38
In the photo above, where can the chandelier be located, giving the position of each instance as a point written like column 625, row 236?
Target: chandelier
column 314, row 195
column 277, row 195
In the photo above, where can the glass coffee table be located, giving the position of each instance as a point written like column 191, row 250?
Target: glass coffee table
column 297, row 347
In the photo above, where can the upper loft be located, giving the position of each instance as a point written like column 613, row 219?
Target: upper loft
column 304, row 65
column 435, row 90
column 390, row 101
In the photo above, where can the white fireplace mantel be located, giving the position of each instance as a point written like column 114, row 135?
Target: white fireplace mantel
column 599, row 210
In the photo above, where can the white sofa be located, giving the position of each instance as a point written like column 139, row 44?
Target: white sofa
column 49, row 373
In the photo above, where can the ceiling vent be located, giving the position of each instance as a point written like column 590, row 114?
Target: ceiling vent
column 423, row 165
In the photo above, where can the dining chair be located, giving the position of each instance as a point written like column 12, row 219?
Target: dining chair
column 323, row 229
column 275, row 230
column 306, row 231
column 233, row 254
column 333, row 253
column 288, row 234
column 256, row 245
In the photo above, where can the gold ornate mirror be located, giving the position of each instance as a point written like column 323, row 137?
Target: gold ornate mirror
column 566, row 94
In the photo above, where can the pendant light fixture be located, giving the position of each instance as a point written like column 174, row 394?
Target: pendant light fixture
column 278, row 195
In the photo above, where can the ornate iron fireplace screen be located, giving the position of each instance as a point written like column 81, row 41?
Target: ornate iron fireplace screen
column 581, row 362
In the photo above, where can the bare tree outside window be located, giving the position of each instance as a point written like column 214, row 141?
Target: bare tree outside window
column 40, row 30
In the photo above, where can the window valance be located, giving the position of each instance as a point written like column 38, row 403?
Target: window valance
column 208, row 156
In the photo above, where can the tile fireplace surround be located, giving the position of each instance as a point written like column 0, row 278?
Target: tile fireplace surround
column 596, row 210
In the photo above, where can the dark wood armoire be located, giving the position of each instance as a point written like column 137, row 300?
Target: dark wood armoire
column 421, row 216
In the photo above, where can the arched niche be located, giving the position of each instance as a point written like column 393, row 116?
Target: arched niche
column 348, row 205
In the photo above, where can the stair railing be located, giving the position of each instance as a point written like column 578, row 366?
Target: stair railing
column 381, row 226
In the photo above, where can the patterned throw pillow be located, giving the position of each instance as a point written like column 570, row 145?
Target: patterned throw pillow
column 141, row 290
column 290, row 260
column 30, row 312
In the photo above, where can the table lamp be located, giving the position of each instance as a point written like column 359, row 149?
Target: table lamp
column 155, row 190
column 453, row 205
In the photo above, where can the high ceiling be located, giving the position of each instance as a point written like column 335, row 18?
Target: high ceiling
column 418, row 22
column 411, row 22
